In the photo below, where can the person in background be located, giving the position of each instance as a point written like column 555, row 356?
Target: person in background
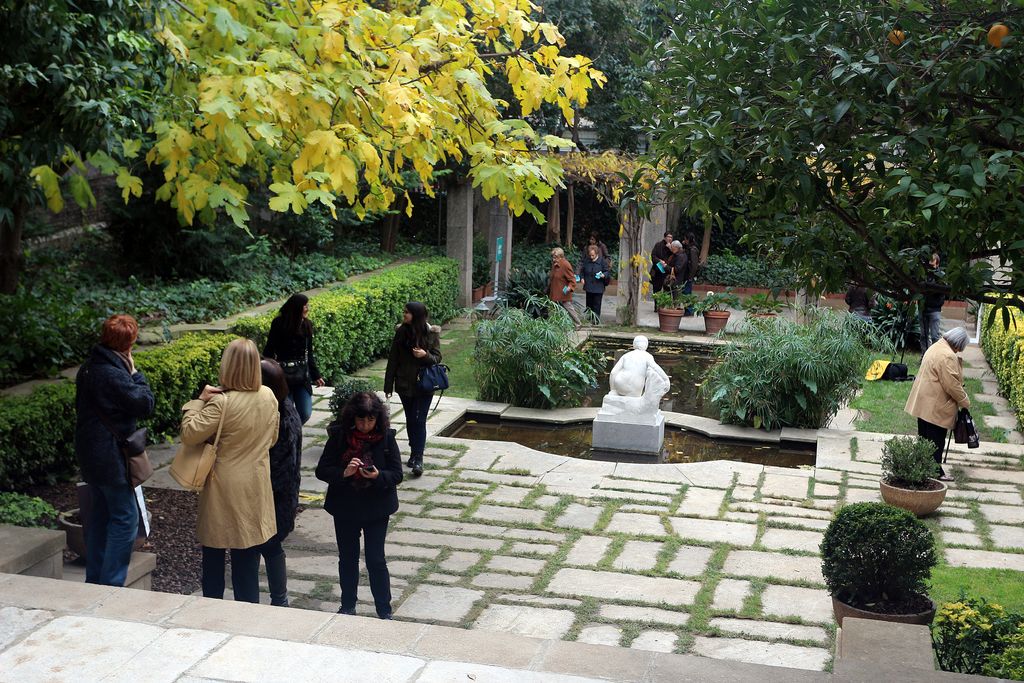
column 285, row 476
column 236, row 506
column 860, row 301
column 938, row 391
column 931, row 308
column 363, row 468
column 594, row 272
column 593, row 241
column 416, row 345
column 692, row 263
column 561, row 281
column 660, row 255
column 290, row 343
column 678, row 268
column 110, row 396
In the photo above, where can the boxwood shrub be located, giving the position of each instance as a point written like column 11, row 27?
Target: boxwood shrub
column 1003, row 344
column 354, row 324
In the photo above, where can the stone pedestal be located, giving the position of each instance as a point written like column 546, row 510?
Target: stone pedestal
column 623, row 433
column 31, row 551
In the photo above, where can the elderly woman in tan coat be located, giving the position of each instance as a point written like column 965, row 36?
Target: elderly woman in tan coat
column 236, row 506
column 561, row 282
column 938, row 391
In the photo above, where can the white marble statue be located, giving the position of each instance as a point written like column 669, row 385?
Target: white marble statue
column 637, row 384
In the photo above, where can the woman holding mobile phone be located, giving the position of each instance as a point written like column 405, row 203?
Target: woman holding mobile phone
column 594, row 271
column 416, row 345
column 362, row 467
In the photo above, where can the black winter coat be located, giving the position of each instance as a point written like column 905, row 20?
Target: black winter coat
column 588, row 271
column 358, row 503
column 285, row 464
column 404, row 368
column 103, row 386
column 283, row 345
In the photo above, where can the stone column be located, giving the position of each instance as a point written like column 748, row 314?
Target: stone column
column 653, row 229
column 499, row 225
column 459, row 239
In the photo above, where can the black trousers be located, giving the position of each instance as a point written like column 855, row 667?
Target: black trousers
column 935, row 434
column 594, row 303
column 374, row 532
column 245, row 568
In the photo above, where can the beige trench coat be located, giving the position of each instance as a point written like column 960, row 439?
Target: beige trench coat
column 236, row 507
column 938, row 390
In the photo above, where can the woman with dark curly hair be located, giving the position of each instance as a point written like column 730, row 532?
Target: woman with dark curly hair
column 290, row 343
column 362, row 467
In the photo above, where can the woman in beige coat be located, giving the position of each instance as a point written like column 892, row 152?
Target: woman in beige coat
column 938, row 391
column 236, row 506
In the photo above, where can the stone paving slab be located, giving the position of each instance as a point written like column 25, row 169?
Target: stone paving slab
column 438, row 603
column 730, row 594
column 809, row 604
column 758, row 652
column 985, row 559
column 538, row 622
column 791, row 539
column 715, row 531
column 636, row 524
column 638, row 556
column 770, row 630
column 644, row 615
column 655, row 641
column 600, row 634
column 773, row 565
column 616, row 586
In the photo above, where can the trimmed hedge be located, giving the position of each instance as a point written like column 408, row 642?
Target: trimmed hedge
column 1003, row 348
column 354, row 324
column 37, row 432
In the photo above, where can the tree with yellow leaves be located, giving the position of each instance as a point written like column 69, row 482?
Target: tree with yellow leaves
column 329, row 100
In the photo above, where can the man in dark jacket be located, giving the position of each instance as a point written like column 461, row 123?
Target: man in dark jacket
column 110, row 395
column 931, row 308
column 660, row 256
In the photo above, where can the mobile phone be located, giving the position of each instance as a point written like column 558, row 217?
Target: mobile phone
column 368, row 468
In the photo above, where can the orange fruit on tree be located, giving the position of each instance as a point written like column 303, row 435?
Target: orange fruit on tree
column 896, row 37
column 996, row 35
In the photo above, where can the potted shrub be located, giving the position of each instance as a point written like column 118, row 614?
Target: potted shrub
column 713, row 307
column 671, row 306
column 876, row 560
column 908, row 471
column 762, row 305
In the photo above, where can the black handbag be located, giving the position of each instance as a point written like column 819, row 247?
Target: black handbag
column 964, row 430
column 138, row 468
column 296, row 372
column 432, row 378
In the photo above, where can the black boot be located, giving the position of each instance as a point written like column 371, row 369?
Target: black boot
column 417, row 465
column 277, row 579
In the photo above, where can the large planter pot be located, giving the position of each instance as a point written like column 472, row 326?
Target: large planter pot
column 668, row 319
column 478, row 294
column 920, row 503
column 714, row 321
column 841, row 610
column 71, row 525
column 489, row 289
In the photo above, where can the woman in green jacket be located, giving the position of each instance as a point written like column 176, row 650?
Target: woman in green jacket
column 416, row 345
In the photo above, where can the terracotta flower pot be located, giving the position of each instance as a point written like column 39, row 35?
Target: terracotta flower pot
column 920, row 503
column 841, row 610
column 478, row 293
column 489, row 289
column 714, row 321
column 668, row 319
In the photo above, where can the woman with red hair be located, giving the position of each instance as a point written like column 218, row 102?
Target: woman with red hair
column 110, row 396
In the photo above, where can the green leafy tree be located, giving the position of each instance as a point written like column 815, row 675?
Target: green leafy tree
column 861, row 136
column 75, row 79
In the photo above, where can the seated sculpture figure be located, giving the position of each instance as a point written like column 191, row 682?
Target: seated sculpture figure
column 637, row 384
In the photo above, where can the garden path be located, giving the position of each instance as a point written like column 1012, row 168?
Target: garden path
column 713, row 559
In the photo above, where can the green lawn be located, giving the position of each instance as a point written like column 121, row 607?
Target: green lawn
column 882, row 405
column 1001, row 586
column 458, row 356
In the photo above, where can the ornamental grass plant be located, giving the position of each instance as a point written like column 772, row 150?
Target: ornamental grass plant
column 788, row 374
column 533, row 362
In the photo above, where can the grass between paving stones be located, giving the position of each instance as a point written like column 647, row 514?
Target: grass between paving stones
column 618, row 544
column 555, row 562
column 586, row 613
column 605, row 518
column 668, row 551
column 535, row 492
column 513, row 471
column 555, row 511
column 854, row 447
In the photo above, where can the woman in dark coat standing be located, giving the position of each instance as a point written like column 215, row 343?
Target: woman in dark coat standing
column 594, row 272
column 416, row 345
column 290, row 343
column 110, row 396
column 362, row 467
column 284, row 480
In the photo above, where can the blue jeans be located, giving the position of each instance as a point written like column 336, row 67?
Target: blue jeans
column 688, row 289
column 110, row 534
column 416, row 407
column 303, row 399
column 931, row 328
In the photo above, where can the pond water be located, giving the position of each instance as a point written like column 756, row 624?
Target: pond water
column 680, row 446
column 685, row 367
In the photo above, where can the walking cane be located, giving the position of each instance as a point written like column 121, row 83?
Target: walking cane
column 945, row 455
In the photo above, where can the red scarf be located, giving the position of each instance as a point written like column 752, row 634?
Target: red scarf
column 358, row 445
